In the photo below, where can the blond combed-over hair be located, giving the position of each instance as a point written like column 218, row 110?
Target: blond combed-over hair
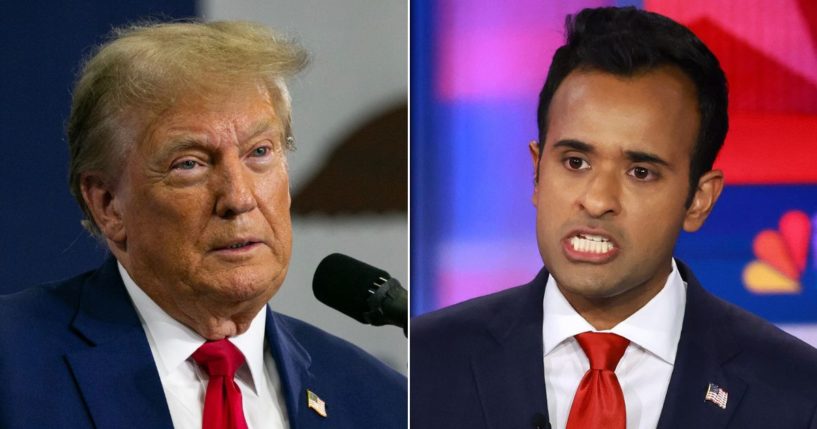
column 145, row 68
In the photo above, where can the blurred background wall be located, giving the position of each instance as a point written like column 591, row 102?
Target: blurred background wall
column 348, row 173
column 477, row 69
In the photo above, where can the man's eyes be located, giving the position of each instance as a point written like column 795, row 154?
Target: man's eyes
column 261, row 151
column 640, row 173
column 187, row 164
column 576, row 163
column 190, row 164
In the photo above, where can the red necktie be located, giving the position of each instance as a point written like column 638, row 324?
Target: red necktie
column 222, row 403
column 599, row 402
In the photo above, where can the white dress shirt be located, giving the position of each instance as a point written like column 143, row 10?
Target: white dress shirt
column 185, row 384
column 643, row 372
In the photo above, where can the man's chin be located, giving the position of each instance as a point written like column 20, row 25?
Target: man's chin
column 244, row 284
column 589, row 292
column 588, row 284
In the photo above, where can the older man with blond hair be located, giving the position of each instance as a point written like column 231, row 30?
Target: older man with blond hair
column 178, row 139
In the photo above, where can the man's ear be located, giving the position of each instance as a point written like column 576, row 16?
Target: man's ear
column 709, row 189
column 533, row 147
column 100, row 197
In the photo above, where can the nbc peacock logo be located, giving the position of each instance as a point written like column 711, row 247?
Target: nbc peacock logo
column 782, row 255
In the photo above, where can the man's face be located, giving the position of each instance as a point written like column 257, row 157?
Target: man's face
column 204, row 203
column 612, row 182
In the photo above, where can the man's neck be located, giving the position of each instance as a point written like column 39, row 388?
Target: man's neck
column 603, row 313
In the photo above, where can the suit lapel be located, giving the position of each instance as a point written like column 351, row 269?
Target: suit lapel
column 705, row 348
column 293, row 362
column 509, row 372
column 118, row 378
column 116, row 374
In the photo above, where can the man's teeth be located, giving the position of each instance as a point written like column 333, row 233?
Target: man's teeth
column 591, row 244
column 237, row 245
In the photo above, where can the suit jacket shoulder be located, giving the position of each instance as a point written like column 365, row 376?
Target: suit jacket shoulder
column 478, row 364
column 71, row 350
column 359, row 390
column 769, row 375
column 332, row 352
column 489, row 351
column 775, row 351
column 75, row 355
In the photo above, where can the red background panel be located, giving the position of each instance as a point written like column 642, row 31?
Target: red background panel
column 768, row 50
column 770, row 148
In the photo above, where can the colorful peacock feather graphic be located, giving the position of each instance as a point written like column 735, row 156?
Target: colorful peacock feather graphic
column 782, row 255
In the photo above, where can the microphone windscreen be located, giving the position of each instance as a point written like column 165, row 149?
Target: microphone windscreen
column 344, row 284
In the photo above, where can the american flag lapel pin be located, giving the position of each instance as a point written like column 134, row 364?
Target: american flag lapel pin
column 315, row 403
column 716, row 395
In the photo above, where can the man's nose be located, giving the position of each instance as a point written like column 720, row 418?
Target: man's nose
column 602, row 194
column 236, row 190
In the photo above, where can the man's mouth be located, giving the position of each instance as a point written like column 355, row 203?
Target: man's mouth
column 240, row 245
column 594, row 247
column 588, row 243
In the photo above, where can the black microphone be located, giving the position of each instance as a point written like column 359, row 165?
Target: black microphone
column 540, row 422
column 361, row 291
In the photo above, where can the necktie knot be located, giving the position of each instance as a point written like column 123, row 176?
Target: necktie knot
column 599, row 400
column 223, row 408
column 603, row 350
column 219, row 358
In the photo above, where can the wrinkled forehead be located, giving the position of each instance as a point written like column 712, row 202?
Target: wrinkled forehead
column 216, row 118
column 249, row 106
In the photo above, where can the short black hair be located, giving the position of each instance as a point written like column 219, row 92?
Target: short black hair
column 626, row 41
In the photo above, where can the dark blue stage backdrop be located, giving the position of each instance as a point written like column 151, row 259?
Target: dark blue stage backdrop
column 43, row 43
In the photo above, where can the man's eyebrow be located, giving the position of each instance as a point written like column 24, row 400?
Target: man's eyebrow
column 632, row 155
column 639, row 156
column 182, row 143
column 576, row 145
column 262, row 127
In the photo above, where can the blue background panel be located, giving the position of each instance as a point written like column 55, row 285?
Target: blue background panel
column 43, row 44
column 722, row 249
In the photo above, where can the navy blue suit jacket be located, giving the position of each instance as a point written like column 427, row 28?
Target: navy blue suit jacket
column 73, row 354
column 479, row 365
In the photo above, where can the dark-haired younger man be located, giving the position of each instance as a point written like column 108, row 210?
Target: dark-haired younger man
column 631, row 118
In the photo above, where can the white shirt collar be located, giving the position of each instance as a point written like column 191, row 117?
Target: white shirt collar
column 175, row 342
column 656, row 327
